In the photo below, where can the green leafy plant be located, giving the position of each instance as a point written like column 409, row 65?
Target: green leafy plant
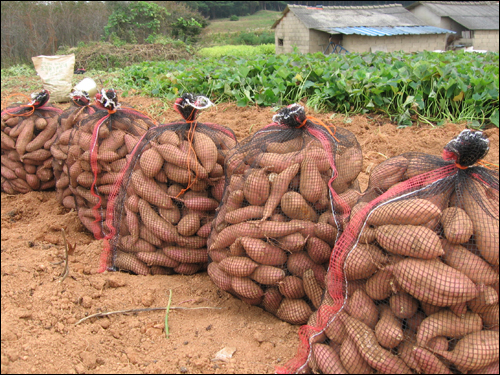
column 234, row 17
column 136, row 21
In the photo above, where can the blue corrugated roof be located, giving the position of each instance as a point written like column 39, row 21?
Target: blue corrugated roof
column 385, row 31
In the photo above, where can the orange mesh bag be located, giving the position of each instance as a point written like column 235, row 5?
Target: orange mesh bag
column 97, row 151
column 163, row 203
column 285, row 201
column 68, row 121
column 28, row 132
column 413, row 280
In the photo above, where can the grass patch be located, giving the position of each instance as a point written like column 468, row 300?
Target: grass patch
column 237, row 51
column 223, row 31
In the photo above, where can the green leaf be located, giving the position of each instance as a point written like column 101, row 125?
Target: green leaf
column 494, row 117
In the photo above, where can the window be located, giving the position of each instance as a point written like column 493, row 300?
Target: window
column 280, row 42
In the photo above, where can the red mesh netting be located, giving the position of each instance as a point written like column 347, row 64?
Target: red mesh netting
column 96, row 153
column 28, row 131
column 413, row 280
column 289, row 190
column 163, row 203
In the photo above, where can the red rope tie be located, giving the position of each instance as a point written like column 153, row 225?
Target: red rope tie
column 303, row 123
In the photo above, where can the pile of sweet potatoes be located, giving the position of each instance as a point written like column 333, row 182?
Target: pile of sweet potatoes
column 167, row 199
column 421, row 281
column 68, row 120
column 95, row 153
column 28, row 132
column 273, row 234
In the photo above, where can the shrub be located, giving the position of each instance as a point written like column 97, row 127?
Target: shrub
column 234, row 17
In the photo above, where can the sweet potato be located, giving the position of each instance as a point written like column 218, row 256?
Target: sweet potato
column 471, row 265
column 294, row 311
column 404, row 212
column 218, row 255
column 157, row 225
column 319, row 251
column 352, row 360
column 219, row 277
column 263, row 252
column 326, row 232
column 130, row 262
column 293, row 242
column 187, row 268
column 278, row 188
column 201, row 204
column 295, row 207
column 149, row 190
column 348, row 162
column 380, row 285
column 244, row 214
column 246, row 287
column 388, row 173
column 188, row 225
column 403, row 305
column 487, row 296
column 25, row 136
column 186, row 255
column 267, row 275
column 174, row 155
column 475, row 350
column 157, row 258
column 361, row 307
column 457, row 225
column 485, row 223
column 151, row 162
column 327, row 359
column 255, row 230
column 312, row 187
column 257, row 187
column 312, row 288
column 365, row 340
column 291, row 287
column 292, row 145
column 272, row 300
column 445, row 323
column 335, row 330
column 433, row 282
column 238, row 266
column 429, row 363
column 299, row 262
column 409, row 240
column 363, row 261
column 7, row 142
column 169, row 136
column 388, row 330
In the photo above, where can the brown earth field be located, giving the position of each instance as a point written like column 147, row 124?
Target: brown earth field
column 39, row 330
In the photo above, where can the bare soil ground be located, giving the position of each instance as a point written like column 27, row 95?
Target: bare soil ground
column 39, row 333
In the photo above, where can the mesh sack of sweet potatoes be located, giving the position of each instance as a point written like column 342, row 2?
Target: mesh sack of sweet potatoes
column 96, row 153
column 28, row 131
column 413, row 280
column 164, row 201
column 289, row 190
column 81, row 108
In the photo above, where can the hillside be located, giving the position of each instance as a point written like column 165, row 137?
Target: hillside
column 221, row 29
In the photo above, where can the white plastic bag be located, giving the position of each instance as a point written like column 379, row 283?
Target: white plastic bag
column 56, row 73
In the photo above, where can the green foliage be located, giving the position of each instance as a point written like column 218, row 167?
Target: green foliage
column 234, row 17
column 135, row 22
column 426, row 86
column 186, row 30
column 21, row 70
column 237, row 51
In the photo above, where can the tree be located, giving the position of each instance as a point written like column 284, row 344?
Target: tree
column 136, row 21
